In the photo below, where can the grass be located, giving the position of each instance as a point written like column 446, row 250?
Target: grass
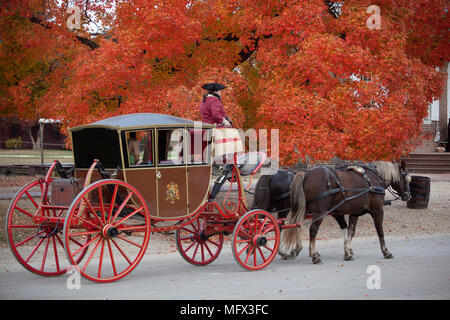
column 28, row 156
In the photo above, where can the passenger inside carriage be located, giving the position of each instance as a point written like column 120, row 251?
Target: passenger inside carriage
column 139, row 145
column 147, row 157
column 170, row 147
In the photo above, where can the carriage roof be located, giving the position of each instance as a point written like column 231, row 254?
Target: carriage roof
column 141, row 120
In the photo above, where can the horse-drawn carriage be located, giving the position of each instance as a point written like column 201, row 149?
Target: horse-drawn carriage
column 101, row 212
column 142, row 173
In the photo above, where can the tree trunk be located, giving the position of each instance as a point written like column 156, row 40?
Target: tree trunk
column 36, row 143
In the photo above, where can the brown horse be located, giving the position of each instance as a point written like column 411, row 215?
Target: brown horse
column 351, row 191
column 272, row 195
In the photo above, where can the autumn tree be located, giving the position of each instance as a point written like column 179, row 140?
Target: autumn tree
column 313, row 69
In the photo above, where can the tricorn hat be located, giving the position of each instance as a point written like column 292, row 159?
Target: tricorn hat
column 213, row 87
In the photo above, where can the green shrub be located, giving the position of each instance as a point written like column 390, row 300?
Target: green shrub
column 14, row 143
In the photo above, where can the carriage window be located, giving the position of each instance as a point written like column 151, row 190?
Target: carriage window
column 140, row 147
column 199, row 146
column 170, row 147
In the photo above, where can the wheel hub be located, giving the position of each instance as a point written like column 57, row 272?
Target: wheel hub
column 202, row 237
column 259, row 241
column 109, row 231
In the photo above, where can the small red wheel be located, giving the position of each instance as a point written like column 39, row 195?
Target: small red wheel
column 37, row 246
column 115, row 216
column 195, row 245
column 256, row 237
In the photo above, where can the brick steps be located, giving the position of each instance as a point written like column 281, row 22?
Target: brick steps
column 435, row 162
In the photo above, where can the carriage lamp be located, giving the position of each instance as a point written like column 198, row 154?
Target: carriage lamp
column 408, row 178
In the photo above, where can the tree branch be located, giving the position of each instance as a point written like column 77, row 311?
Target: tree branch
column 88, row 42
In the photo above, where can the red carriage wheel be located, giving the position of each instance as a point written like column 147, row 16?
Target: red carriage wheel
column 115, row 216
column 38, row 244
column 256, row 237
column 195, row 246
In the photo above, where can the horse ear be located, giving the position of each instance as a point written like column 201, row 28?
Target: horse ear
column 403, row 164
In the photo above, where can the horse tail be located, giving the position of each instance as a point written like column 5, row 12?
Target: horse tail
column 261, row 198
column 291, row 243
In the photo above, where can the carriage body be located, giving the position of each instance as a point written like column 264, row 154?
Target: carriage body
column 131, row 173
column 173, row 168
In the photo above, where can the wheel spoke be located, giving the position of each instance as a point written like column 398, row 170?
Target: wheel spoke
column 55, row 250
column 122, row 205
column 128, row 216
column 29, row 226
column 101, row 259
column 31, row 199
column 189, row 248
column 243, row 249
column 85, row 245
column 23, row 211
column 263, row 224
column 85, row 233
column 91, row 255
column 35, row 249
column 111, row 255
column 249, row 253
column 94, row 213
column 102, row 208
column 270, row 249
column 214, row 243
column 29, row 238
column 207, row 248
column 88, row 222
column 113, row 201
column 196, row 249
column 129, row 241
column 121, row 251
column 44, row 257
column 262, row 255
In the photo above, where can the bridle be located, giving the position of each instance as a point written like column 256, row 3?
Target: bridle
column 405, row 179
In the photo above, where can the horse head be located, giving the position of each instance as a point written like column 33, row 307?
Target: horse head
column 395, row 176
column 401, row 185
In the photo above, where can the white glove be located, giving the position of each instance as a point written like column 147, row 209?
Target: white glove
column 226, row 123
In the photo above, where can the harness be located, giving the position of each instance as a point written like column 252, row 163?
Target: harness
column 341, row 189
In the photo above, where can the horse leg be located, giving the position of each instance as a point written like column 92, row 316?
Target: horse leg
column 348, row 252
column 312, row 241
column 343, row 225
column 377, row 216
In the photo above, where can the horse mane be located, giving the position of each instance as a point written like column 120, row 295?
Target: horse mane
column 387, row 170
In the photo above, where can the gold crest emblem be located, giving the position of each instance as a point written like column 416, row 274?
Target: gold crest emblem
column 172, row 192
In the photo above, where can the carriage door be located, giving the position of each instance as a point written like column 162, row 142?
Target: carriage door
column 171, row 173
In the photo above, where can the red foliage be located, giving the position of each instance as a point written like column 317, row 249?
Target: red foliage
column 331, row 85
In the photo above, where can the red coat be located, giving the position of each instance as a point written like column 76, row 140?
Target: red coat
column 212, row 111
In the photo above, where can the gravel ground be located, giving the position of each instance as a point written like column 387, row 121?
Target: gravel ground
column 398, row 220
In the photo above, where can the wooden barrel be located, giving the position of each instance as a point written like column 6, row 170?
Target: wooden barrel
column 420, row 192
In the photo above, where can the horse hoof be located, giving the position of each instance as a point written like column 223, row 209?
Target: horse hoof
column 317, row 260
column 349, row 258
column 389, row 256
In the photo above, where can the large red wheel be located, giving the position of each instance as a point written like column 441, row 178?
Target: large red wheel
column 115, row 216
column 38, row 246
column 196, row 246
column 256, row 237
